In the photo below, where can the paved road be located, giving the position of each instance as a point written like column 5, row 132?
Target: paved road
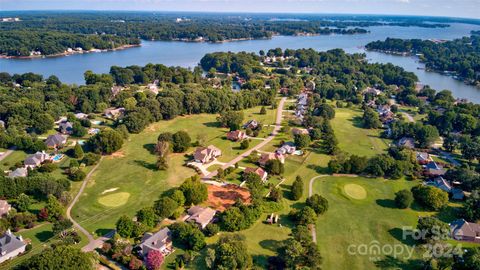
column 7, row 153
column 276, row 129
column 92, row 243
column 310, row 193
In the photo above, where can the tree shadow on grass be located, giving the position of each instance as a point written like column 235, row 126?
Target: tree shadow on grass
column 150, row 147
column 260, row 261
column 449, row 213
column 387, row 203
column 43, row 236
column 270, row 244
column 212, row 124
column 102, row 232
column 356, row 121
column 318, row 169
column 390, row 262
column 403, row 236
column 147, row 165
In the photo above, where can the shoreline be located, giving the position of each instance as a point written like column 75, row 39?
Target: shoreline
column 123, row 47
column 451, row 74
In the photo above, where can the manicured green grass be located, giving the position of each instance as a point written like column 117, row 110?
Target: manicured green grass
column 115, row 199
column 12, row 159
column 350, row 221
column 352, row 137
column 132, row 169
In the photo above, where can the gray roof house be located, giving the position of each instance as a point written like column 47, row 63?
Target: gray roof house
column 65, row 128
column 36, row 159
column 11, row 246
column 55, row 141
column 19, row 172
column 465, row 231
column 201, row 216
column 441, row 183
column 159, row 241
column 406, row 142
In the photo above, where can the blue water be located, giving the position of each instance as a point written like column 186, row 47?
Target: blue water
column 70, row 69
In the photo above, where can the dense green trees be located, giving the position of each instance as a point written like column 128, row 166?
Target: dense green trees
column 403, row 198
column 318, row 203
column 370, row 119
column 297, row 188
column 194, row 191
column 230, row 252
column 106, row 142
column 302, row 140
column 187, row 235
column 60, row 257
column 430, row 197
column 460, row 56
column 231, row 119
column 432, row 229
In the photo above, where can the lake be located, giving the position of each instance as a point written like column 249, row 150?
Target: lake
column 70, row 69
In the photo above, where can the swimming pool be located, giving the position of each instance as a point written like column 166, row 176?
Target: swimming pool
column 57, row 157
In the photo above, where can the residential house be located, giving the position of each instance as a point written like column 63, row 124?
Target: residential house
column 422, row 157
column 298, row 131
column 11, row 246
column 114, row 113
column 65, row 128
column 432, row 169
column 385, row 114
column 160, row 241
column 465, row 231
column 258, row 171
column 441, row 183
column 202, row 216
column 251, row 124
column 81, row 116
column 19, row 172
column 35, row 160
column 206, row 154
column 286, row 148
column 406, row 142
column 115, row 90
column 4, row 208
column 265, row 157
column 55, row 141
column 153, row 87
column 372, row 91
column 236, row 135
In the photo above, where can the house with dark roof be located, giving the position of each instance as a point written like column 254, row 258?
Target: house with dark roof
column 441, row 183
column 11, row 246
column 160, row 241
column 406, row 142
column 114, row 113
column 258, row 171
column 265, row 157
column 202, row 216
column 5, row 207
column 251, row 124
column 206, row 154
column 55, row 141
column 432, row 169
column 35, row 160
column 19, row 172
column 236, row 135
column 65, row 128
column 465, row 231
column 422, row 157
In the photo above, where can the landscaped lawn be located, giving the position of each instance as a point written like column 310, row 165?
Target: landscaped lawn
column 132, row 170
column 12, row 159
column 352, row 137
column 350, row 221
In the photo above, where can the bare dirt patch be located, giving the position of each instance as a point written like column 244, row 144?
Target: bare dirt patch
column 223, row 197
column 118, row 154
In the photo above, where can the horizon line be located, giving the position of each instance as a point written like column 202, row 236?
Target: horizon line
column 236, row 12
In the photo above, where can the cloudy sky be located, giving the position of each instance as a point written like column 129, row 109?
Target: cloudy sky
column 453, row 8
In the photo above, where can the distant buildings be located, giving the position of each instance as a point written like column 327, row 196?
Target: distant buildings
column 114, row 113
column 265, row 157
column 11, row 246
column 406, row 142
column 251, row 124
column 287, row 148
column 299, row 131
column 35, row 160
column 65, row 128
column 432, row 169
column 206, row 154
column 422, row 157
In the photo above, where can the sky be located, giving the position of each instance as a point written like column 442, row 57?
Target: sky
column 450, row 8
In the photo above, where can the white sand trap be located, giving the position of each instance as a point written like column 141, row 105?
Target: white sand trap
column 109, row 190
